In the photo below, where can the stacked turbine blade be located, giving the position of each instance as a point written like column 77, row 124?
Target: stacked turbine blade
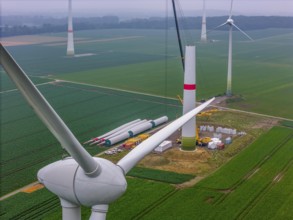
column 126, row 131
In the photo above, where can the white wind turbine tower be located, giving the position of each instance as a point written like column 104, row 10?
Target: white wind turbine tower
column 70, row 43
column 203, row 37
column 82, row 179
column 230, row 23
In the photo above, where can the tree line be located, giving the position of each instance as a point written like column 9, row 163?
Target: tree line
column 112, row 22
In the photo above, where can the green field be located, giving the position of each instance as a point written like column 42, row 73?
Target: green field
column 27, row 145
column 160, row 175
column 239, row 188
column 259, row 187
column 149, row 63
column 262, row 69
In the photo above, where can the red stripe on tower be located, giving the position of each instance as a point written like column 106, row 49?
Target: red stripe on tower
column 70, row 31
column 189, row 87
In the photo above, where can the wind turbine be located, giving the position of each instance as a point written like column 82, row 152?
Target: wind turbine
column 82, row 179
column 189, row 96
column 70, row 43
column 230, row 23
column 203, row 37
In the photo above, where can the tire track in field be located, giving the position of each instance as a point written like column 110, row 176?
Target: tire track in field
column 61, row 107
column 38, row 210
column 47, row 97
column 90, row 130
column 250, row 173
column 134, row 99
column 112, row 92
column 44, row 159
column 3, row 162
column 264, row 192
column 68, row 122
column 12, row 160
column 28, row 165
column 155, row 204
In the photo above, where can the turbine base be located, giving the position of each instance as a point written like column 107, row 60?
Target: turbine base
column 70, row 53
column 188, row 143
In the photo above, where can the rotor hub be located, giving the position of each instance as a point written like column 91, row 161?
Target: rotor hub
column 230, row 21
column 68, row 181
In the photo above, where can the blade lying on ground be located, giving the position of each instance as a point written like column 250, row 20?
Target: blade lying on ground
column 132, row 158
column 47, row 114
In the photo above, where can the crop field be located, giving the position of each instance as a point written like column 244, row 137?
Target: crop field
column 238, row 188
column 94, row 94
column 6, row 84
column 160, row 175
column 27, row 145
column 148, row 61
column 262, row 189
column 152, row 192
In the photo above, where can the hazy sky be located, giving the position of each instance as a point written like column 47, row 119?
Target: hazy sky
column 144, row 7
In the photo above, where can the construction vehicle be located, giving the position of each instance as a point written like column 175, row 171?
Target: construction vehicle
column 207, row 113
column 203, row 141
column 134, row 141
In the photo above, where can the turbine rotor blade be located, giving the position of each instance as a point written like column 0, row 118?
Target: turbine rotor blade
column 132, row 158
column 47, row 114
column 230, row 13
column 216, row 27
column 242, row 32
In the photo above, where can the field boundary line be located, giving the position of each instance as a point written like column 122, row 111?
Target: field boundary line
column 170, row 98
column 111, row 88
column 13, row 90
column 17, row 191
column 252, row 113
column 138, row 99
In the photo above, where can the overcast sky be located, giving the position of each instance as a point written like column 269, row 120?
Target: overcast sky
column 144, row 8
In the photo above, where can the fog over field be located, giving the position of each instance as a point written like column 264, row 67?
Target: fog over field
column 143, row 8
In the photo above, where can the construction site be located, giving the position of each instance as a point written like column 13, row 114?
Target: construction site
column 218, row 138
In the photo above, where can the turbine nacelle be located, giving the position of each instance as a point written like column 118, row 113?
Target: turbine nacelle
column 67, row 179
column 230, row 21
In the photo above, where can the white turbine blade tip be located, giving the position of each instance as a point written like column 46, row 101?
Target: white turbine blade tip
column 231, row 7
column 243, row 32
column 216, row 27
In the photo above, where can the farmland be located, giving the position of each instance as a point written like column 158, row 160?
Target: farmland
column 138, row 61
column 88, row 111
column 265, row 181
column 261, row 73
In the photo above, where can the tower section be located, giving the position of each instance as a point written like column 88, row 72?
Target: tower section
column 189, row 89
